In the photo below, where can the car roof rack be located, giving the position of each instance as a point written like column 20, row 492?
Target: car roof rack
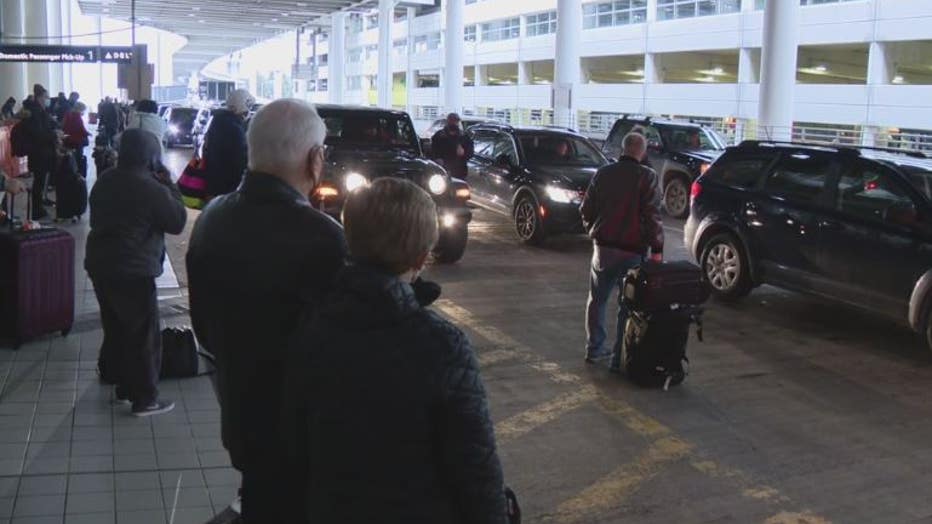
column 645, row 118
column 838, row 147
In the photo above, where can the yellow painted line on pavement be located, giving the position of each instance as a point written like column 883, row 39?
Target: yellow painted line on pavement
column 785, row 517
column 613, row 488
column 495, row 356
column 531, row 419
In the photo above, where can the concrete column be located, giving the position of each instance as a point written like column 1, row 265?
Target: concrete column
column 524, row 73
column 747, row 6
column 385, row 78
column 778, row 70
column 336, row 58
column 409, row 72
column 566, row 64
column 56, row 71
column 879, row 68
column 651, row 11
column 482, row 75
column 653, row 69
column 36, row 21
column 12, row 75
column 747, row 70
column 453, row 47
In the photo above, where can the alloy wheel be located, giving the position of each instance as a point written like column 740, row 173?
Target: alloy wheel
column 723, row 267
column 525, row 219
column 676, row 198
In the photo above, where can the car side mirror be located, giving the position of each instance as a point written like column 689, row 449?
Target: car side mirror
column 903, row 214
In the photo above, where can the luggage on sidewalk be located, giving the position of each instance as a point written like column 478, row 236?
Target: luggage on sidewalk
column 656, row 285
column 663, row 302
column 36, row 282
column 70, row 190
column 193, row 184
column 181, row 355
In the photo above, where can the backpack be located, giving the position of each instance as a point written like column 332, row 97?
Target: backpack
column 655, row 345
column 20, row 141
column 193, row 184
column 181, row 354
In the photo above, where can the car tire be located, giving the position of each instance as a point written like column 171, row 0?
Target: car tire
column 528, row 223
column 927, row 332
column 676, row 197
column 451, row 245
column 725, row 267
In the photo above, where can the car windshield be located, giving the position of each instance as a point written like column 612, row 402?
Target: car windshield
column 690, row 138
column 369, row 129
column 551, row 149
column 183, row 117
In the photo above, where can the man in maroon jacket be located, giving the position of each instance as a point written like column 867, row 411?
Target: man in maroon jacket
column 621, row 213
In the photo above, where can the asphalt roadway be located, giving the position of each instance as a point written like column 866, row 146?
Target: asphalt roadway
column 795, row 411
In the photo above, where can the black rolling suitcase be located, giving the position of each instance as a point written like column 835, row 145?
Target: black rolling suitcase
column 70, row 190
column 663, row 301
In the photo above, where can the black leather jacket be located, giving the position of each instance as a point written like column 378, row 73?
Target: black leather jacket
column 257, row 258
column 389, row 412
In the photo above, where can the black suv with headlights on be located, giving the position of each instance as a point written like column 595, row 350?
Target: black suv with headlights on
column 849, row 224
column 535, row 175
column 365, row 143
column 678, row 151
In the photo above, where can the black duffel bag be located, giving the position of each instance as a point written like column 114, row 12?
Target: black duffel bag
column 181, row 354
column 659, row 285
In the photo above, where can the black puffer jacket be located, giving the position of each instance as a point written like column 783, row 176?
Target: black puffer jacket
column 225, row 152
column 389, row 413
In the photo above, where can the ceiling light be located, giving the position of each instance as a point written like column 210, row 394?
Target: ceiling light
column 898, row 79
column 201, row 22
column 718, row 70
column 191, row 15
column 284, row 14
column 195, row 8
column 275, row 19
column 821, row 68
column 301, row 4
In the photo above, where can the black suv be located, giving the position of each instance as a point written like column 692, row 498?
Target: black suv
column 535, row 175
column 365, row 143
column 850, row 224
column 678, row 151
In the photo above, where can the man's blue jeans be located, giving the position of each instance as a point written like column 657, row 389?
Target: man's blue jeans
column 608, row 270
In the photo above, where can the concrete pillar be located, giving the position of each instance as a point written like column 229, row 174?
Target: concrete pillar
column 453, row 46
column 747, row 6
column 482, row 75
column 653, row 69
column 524, row 73
column 778, row 70
column 385, row 78
column 409, row 72
column 879, row 68
column 56, row 71
column 566, row 64
column 12, row 75
column 336, row 57
column 747, row 67
column 36, row 21
column 651, row 11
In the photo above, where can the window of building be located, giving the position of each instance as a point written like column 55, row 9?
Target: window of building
column 372, row 52
column 322, row 84
column 469, row 33
column 541, row 23
column 673, row 9
column 617, row 12
column 354, row 55
column 426, row 42
column 759, row 4
column 354, row 83
column 400, row 46
column 372, row 21
column 506, row 29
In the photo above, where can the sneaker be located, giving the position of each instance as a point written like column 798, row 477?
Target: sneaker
column 156, row 408
column 592, row 358
column 120, row 398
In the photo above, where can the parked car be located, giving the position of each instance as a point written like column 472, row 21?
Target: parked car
column 465, row 122
column 365, row 143
column 201, row 127
column 849, row 224
column 180, row 128
column 535, row 175
column 678, row 151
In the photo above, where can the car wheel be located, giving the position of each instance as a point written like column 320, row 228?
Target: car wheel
column 928, row 330
column 528, row 224
column 676, row 197
column 725, row 267
column 451, row 245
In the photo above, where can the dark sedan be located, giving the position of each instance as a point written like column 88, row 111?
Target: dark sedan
column 180, row 127
column 535, row 175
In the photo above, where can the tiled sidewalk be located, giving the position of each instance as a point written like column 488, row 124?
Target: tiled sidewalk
column 68, row 456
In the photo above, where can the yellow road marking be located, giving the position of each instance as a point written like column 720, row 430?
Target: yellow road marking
column 496, row 356
column 528, row 420
column 785, row 517
column 621, row 483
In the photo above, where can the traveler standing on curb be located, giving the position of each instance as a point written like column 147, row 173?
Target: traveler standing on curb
column 145, row 116
column 258, row 257
column 452, row 147
column 43, row 144
column 621, row 213
column 225, row 145
column 384, row 402
column 77, row 137
column 133, row 206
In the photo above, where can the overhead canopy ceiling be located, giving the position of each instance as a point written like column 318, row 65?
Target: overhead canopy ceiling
column 218, row 27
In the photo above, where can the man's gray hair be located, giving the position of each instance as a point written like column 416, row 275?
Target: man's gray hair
column 282, row 134
column 634, row 145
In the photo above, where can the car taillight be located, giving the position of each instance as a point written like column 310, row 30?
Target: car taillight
column 695, row 191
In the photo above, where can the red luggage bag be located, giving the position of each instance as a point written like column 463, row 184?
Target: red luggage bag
column 36, row 282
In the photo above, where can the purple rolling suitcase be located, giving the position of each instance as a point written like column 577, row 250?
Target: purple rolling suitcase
column 36, row 282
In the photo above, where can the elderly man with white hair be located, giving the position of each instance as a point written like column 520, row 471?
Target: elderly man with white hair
column 257, row 258
column 225, row 145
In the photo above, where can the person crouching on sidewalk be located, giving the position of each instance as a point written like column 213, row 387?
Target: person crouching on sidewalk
column 133, row 206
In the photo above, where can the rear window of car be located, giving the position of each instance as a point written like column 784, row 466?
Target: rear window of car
column 740, row 171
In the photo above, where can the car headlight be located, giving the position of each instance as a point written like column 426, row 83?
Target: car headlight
column 562, row 196
column 437, row 184
column 173, row 129
column 354, row 181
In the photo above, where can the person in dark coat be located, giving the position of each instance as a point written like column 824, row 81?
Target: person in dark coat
column 133, row 206
column 621, row 213
column 384, row 400
column 6, row 113
column 109, row 119
column 43, row 145
column 257, row 258
column 452, row 148
column 60, row 107
column 225, row 145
